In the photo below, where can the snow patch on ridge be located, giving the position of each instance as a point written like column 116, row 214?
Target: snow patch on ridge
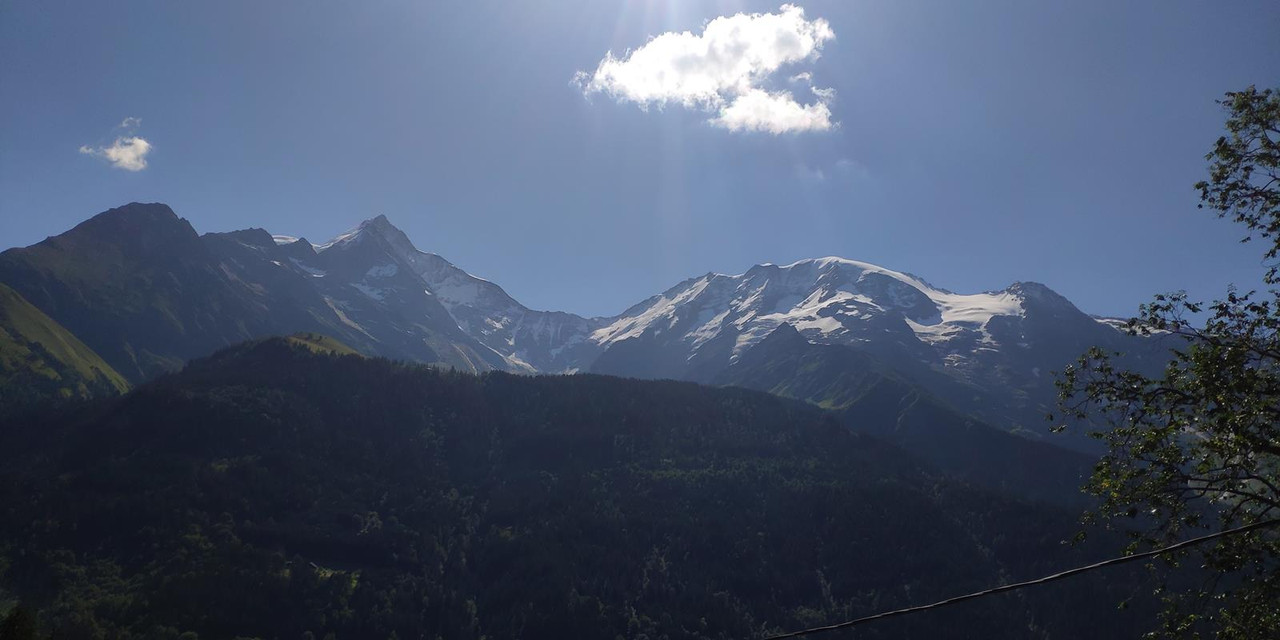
column 663, row 309
column 349, row 235
column 315, row 273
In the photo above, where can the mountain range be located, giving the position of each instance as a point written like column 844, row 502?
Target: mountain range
column 146, row 292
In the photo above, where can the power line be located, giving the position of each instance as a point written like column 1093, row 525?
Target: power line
column 1018, row 585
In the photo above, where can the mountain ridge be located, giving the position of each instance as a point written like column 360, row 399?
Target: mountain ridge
column 149, row 299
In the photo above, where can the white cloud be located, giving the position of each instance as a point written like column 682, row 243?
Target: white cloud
column 722, row 70
column 757, row 110
column 127, row 152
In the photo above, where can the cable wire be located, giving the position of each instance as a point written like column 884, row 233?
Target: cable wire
column 1019, row 585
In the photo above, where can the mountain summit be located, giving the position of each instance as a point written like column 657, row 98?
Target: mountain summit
column 995, row 350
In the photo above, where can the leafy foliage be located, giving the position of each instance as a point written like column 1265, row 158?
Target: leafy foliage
column 1199, row 446
column 271, row 491
column 1244, row 169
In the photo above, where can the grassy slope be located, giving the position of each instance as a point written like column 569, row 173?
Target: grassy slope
column 322, row 344
column 35, row 347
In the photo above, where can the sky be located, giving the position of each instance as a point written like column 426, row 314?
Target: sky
column 586, row 154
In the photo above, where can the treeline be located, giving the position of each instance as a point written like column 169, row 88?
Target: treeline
column 272, row 492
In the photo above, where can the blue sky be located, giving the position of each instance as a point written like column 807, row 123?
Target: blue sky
column 973, row 144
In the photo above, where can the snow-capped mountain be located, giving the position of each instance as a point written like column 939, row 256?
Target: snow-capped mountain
column 995, row 351
column 715, row 318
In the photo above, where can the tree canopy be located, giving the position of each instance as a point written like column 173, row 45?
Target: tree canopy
column 1198, row 447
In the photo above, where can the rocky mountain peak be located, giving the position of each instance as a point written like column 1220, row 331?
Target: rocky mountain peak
column 1037, row 298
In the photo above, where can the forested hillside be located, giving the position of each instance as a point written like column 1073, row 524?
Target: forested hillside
column 274, row 491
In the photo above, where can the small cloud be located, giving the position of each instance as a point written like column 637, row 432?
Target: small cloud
column 810, row 175
column 128, row 152
column 758, row 110
column 722, row 70
column 853, row 170
column 827, row 95
column 801, row 77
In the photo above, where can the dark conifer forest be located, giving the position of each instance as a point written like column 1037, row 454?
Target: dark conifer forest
column 276, row 490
